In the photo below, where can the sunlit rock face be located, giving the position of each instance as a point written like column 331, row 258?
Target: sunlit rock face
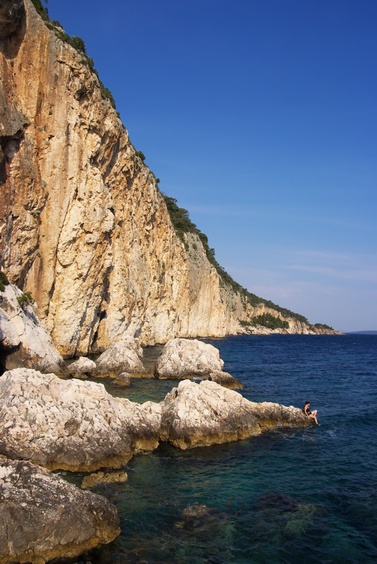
column 204, row 414
column 83, row 225
column 70, row 424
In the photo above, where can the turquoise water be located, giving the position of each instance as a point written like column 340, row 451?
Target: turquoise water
column 286, row 496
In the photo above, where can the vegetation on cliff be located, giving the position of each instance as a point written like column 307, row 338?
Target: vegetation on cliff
column 75, row 42
column 180, row 217
column 182, row 224
column 3, row 281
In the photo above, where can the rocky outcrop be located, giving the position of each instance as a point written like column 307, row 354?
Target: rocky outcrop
column 83, row 225
column 23, row 341
column 78, row 426
column 181, row 358
column 204, row 414
column 122, row 356
column 225, row 379
column 72, row 424
column 81, row 367
column 45, row 518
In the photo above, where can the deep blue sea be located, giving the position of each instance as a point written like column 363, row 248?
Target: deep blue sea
column 301, row 495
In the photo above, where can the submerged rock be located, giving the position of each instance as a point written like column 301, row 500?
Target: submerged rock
column 291, row 517
column 187, row 357
column 44, row 518
column 103, row 478
column 207, row 413
column 72, row 424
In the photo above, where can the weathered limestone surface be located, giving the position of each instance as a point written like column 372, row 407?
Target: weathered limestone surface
column 207, row 413
column 83, row 225
column 81, row 367
column 78, row 426
column 23, row 340
column 187, row 357
column 43, row 517
column 72, row 424
column 122, row 356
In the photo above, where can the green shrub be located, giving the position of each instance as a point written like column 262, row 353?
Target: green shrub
column 3, row 281
column 106, row 95
column 323, row 327
column 270, row 321
column 25, row 299
column 183, row 224
column 140, row 154
column 42, row 10
column 78, row 44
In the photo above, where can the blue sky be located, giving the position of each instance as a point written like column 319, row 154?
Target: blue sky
column 260, row 117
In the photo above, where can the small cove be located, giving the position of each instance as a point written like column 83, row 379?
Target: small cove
column 283, row 496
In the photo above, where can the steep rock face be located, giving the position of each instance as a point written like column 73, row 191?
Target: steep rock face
column 82, row 223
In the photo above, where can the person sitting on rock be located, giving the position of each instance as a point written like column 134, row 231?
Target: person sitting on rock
column 309, row 413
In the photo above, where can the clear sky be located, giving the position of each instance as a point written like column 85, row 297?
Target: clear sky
column 260, row 117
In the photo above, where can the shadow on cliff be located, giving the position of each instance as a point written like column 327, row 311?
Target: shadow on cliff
column 12, row 27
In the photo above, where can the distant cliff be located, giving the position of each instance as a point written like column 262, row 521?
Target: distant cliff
column 83, row 225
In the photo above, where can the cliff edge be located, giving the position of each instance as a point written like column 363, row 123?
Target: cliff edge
column 83, row 225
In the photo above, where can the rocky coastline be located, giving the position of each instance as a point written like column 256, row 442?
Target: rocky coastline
column 86, row 232
column 53, row 418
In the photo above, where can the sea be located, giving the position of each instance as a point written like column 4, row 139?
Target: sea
column 286, row 496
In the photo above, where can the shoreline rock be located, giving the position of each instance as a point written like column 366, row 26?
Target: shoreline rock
column 97, row 478
column 226, row 380
column 204, row 414
column 23, row 340
column 122, row 356
column 182, row 358
column 48, row 518
column 78, row 426
column 72, row 424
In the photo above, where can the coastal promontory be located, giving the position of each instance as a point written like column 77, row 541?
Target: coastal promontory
column 84, row 226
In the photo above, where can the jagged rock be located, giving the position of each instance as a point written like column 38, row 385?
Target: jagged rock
column 226, row 380
column 81, row 367
column 122, row 356
column 23, row 340
column 207, row 413
column 72, row 424
column 43, row 517
column 103, row 478
column 187, row 357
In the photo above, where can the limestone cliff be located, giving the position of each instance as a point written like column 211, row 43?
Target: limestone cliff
column 83, row 225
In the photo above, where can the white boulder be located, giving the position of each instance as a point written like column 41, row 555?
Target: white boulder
column 187, row 357
column 82, row 366
column 72, row 424
column 122, row 356
column 23, row 340
column 207, row 413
